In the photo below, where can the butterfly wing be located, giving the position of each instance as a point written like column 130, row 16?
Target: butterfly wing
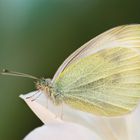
column 103, row 76
column 102, row 41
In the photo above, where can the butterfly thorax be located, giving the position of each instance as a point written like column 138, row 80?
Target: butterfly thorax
column 46, row 86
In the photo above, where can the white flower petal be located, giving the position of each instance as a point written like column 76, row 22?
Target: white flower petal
column 133, row 124
column 117, row 128
column 39, row 106
column 61, row 131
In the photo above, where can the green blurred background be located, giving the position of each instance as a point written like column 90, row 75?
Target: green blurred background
column 36, row 36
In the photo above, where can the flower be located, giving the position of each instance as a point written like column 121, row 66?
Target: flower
column 76, row 124
column 62, row 131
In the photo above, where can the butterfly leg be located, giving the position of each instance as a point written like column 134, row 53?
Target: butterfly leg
column 38, row 95
column 34, row 96
column 61, row 111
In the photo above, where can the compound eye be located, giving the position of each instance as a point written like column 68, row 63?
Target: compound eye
column 48, row 80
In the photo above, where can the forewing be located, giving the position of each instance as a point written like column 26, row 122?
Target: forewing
column 125, row 34
column 105, row 80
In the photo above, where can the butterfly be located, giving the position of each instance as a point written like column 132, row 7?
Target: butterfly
column 102, row 77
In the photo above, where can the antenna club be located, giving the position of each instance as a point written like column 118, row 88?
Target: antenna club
column 5, row 70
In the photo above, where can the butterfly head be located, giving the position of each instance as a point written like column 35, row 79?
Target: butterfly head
column 43, row 84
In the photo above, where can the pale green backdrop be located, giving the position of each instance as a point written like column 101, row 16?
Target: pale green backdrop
column 36, row 36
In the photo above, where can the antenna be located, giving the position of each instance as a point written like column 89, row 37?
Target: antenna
column 13, row 73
